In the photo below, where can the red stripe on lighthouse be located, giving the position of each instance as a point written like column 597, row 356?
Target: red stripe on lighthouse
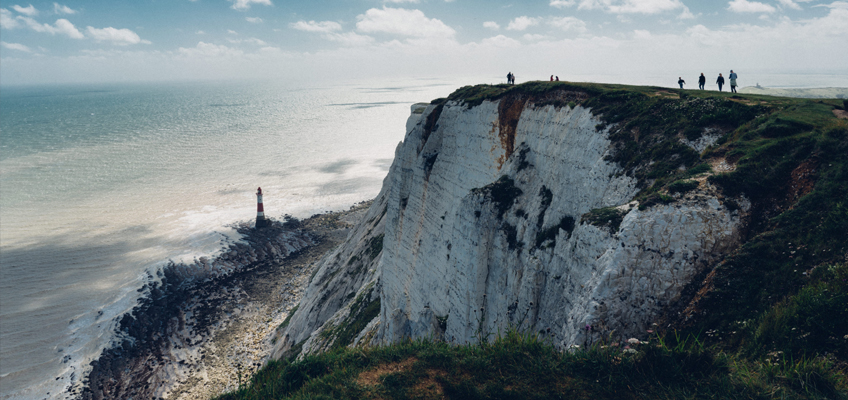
column 260, row 211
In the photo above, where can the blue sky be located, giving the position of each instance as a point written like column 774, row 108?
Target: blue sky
column 144, row 40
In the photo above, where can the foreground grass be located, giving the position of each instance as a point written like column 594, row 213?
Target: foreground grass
column 526, row 367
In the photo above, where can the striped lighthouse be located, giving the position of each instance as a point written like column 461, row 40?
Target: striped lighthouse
column 261, row 222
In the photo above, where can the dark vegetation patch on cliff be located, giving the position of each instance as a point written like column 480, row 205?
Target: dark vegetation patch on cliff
column 502, row 192
column 608, row 217
column 524, row 366
column 375, row 246
column 431, row 123
column 362, row 311
column 566, row 223
column 547, row 197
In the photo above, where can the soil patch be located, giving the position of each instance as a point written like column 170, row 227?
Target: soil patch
column 373, row 377
column 721, row 165
column 802, row 182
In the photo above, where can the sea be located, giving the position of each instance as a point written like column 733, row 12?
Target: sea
column 104, row 184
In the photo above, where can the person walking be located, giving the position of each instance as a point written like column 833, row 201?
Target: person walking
column 680, row 81
column 702, row 80
column 552, row 78
column 720, row 81
column 732, row 81
column 509, row 78
column 557, row 78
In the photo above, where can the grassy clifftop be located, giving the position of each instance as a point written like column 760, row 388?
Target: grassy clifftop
column 769, row 321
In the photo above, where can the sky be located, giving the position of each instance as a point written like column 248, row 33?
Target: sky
column 43, row 42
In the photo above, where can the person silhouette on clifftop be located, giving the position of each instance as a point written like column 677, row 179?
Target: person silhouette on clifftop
column 732, row 81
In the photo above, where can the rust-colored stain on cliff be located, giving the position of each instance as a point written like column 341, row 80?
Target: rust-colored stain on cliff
column 509, row 111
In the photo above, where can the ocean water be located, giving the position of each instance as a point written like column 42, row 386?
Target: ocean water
column 101, row 184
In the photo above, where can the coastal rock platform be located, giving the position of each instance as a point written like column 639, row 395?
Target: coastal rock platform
column 204, row 328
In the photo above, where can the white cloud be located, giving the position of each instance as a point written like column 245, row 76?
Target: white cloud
column 835, row 4
column 521, row 23
column 350, row 39
column 204, row 49
column 312, row 26
column 568, row 24
column 789, row 4
column 745, row 6
column 399, row 21
column 65, row 27
column 534, row 37
column 200, row 33
column 119, row 37
column 253, row 20
column 245, row 4
column 500, row 41
column 254, row 41
column 16, row 46
column 232, row 32
column 29, row 11
column 686, row 14
column 61, row 9
column 402, row 1
column 7, row 21
column 330, row 31
column 562, row 3
column 62, row 27
column 632, row 6
column 491, row 25
column 641, row 34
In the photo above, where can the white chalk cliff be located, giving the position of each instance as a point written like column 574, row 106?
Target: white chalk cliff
column 486, row 220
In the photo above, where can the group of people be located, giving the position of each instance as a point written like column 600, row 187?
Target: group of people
column 702, row 80
column 510, row 78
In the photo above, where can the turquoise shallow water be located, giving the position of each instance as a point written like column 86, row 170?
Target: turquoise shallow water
column 100, row 184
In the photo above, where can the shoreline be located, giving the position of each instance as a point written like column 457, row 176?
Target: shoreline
column 196, row 332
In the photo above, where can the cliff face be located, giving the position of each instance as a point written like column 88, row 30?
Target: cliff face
column 514, row 213
column 490, row 225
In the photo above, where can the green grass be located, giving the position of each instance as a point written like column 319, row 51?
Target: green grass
column 521, row 366
column 362, row 311
column 682, row 186
column 610, row 217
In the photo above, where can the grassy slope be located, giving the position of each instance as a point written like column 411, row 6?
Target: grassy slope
column 771, row 320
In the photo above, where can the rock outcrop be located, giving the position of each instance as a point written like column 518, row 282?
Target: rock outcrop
column 512, row 213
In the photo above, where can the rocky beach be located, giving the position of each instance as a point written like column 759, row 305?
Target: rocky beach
column 204, row 328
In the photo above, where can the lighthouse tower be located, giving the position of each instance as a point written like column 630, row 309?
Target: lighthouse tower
column 261, row 222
